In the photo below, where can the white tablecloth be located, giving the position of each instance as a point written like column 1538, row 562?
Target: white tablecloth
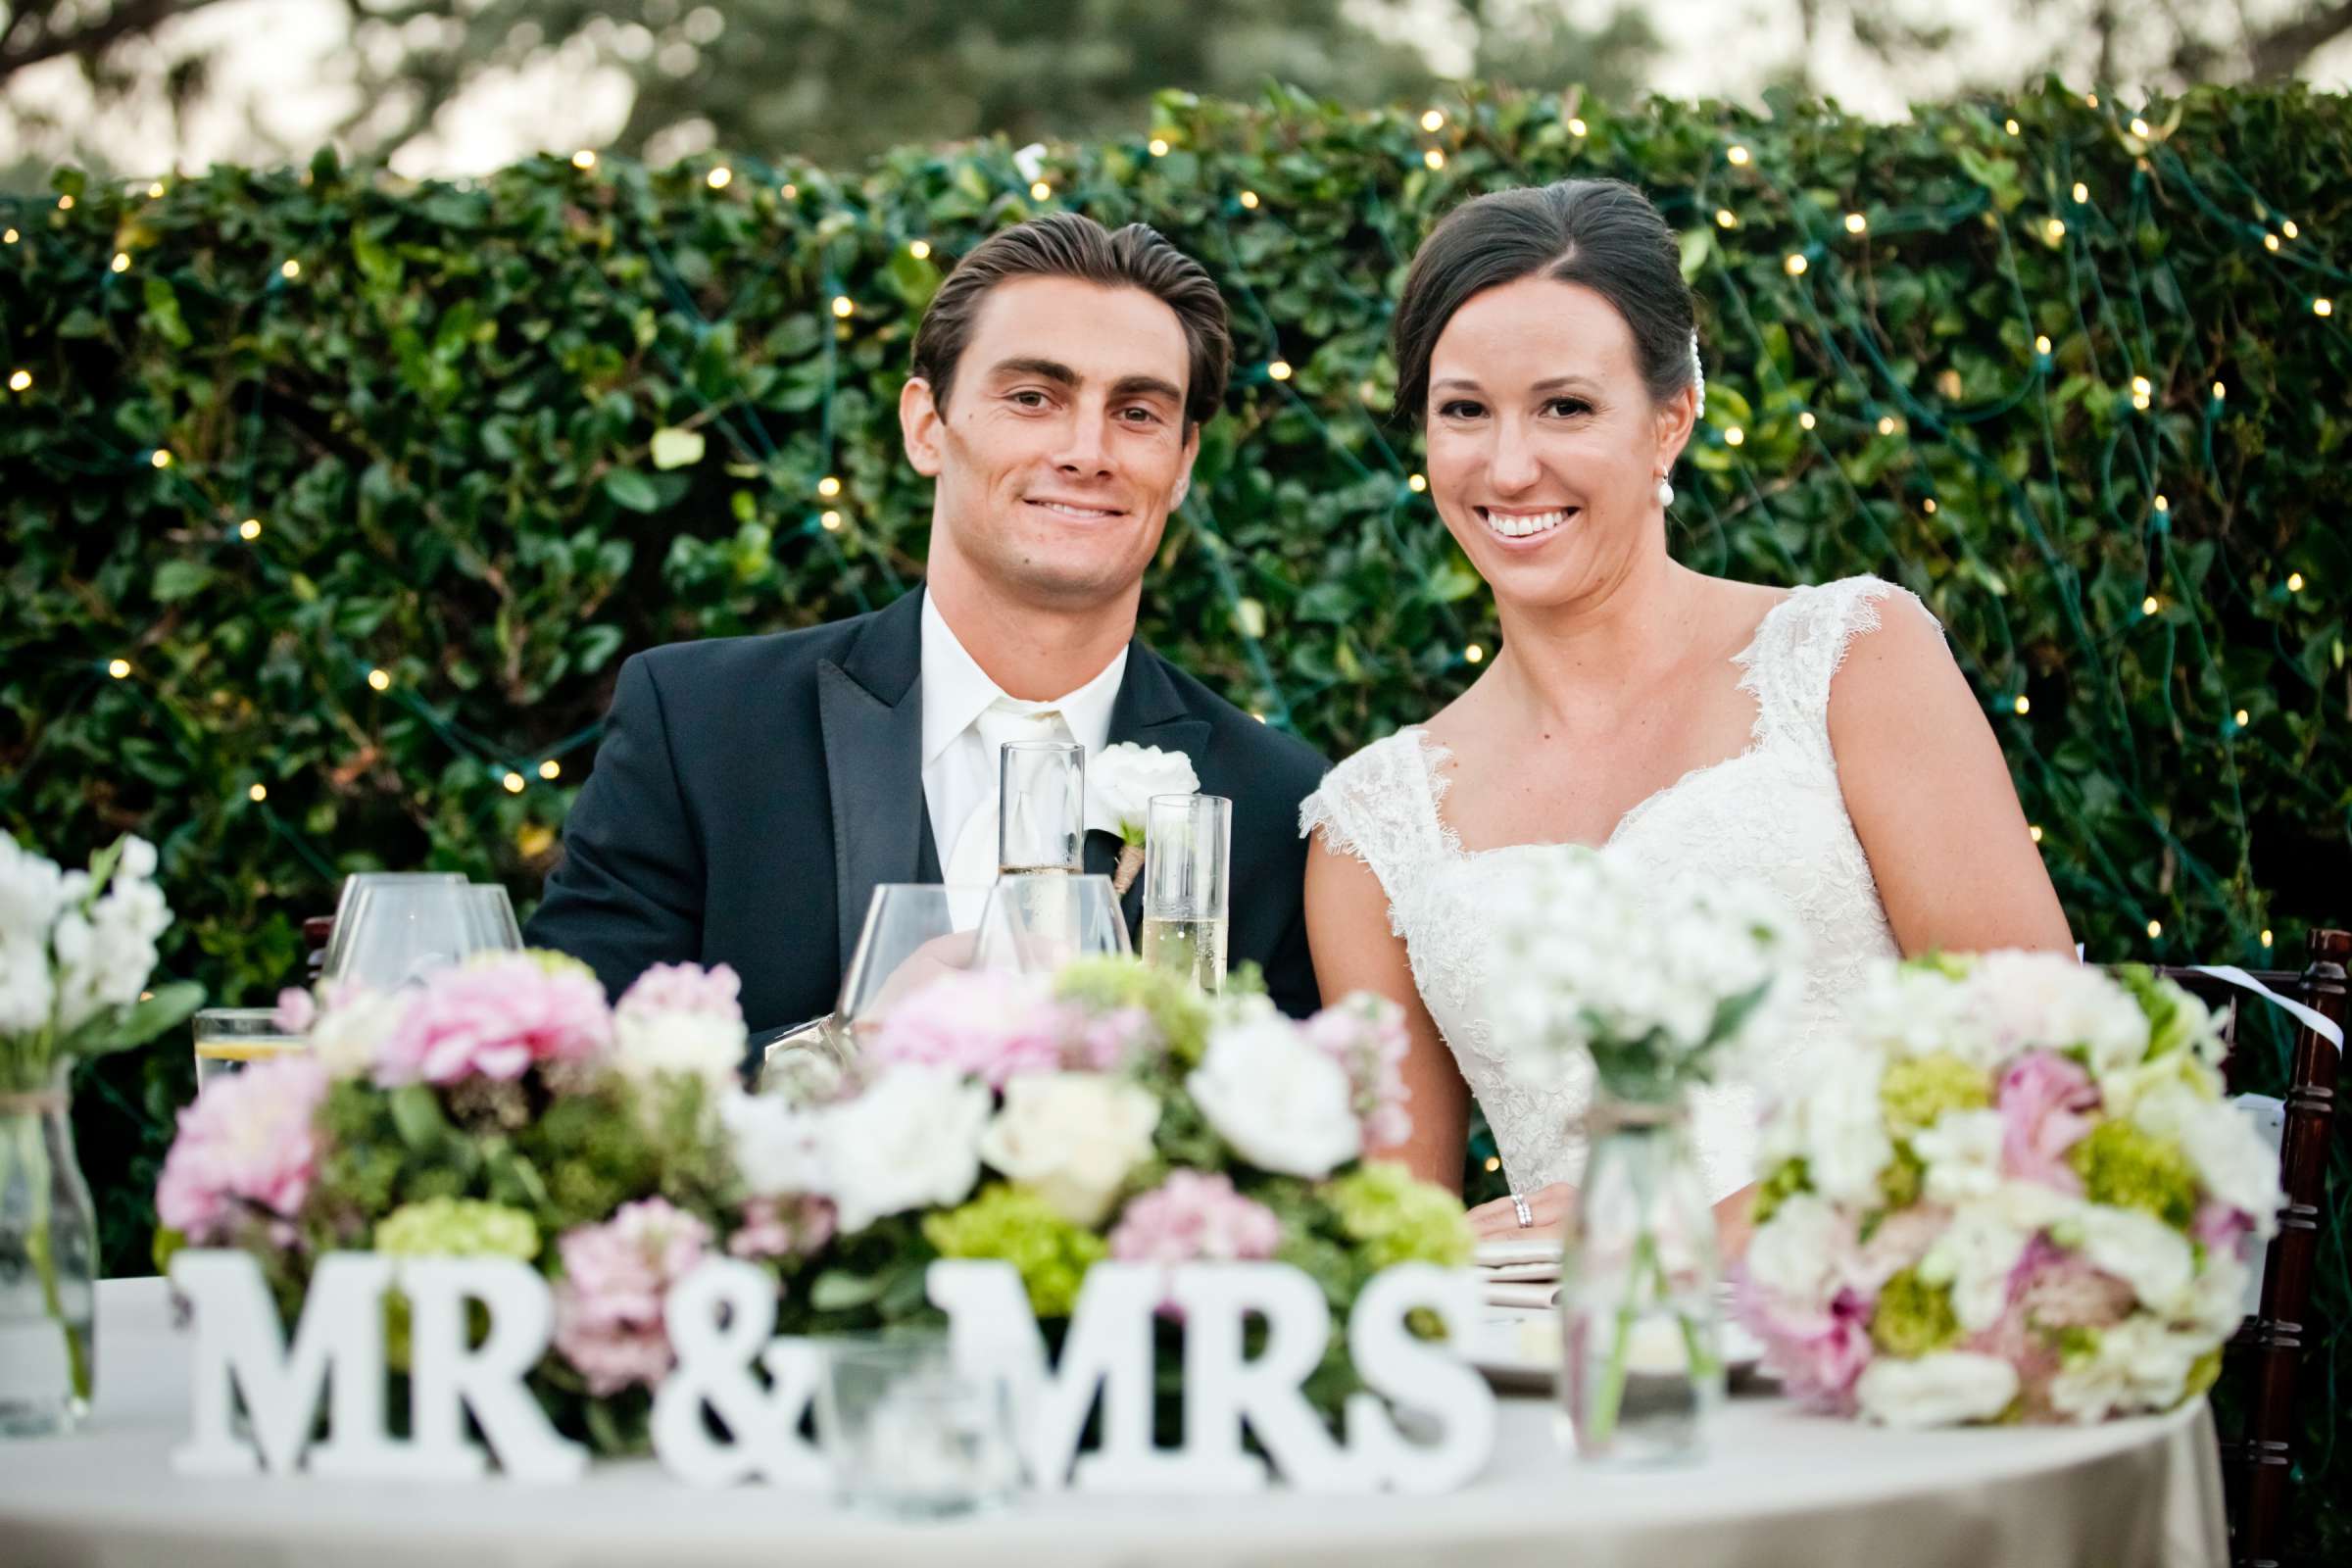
column 1780, row 1487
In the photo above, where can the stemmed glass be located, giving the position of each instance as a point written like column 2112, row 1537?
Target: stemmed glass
column 392, row 931
column 1036, row 924
column 914, row 936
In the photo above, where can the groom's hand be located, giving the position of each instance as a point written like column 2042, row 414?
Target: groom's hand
column 1548, row 1206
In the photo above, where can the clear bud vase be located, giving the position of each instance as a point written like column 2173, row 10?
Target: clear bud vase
column 1641, row 1372
column 48, row 1247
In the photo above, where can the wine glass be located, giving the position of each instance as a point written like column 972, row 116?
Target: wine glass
column 1036, row 924
column 393, row 933
column 1188, row 858
column 915, row 935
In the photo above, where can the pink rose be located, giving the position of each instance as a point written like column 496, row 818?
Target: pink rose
column 495, row 1017
column 249, row 1142
column 685, row 988
column 609, row 1302
column 2043, row 1099
column 1818, row 1353
column 982, row 1023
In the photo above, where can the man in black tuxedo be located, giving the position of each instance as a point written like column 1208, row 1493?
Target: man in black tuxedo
column 752, row 792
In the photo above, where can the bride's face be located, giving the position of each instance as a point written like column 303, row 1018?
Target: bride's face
column 1544, row 448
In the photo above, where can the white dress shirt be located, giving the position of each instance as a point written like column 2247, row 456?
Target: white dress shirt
column 959, row 764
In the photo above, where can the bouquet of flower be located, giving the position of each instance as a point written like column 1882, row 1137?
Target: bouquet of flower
column 2016, row 1195
column 1658, row 987
column 1106, row 1112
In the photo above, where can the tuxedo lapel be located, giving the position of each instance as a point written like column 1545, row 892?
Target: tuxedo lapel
column 1149, row 711
column 870, row 708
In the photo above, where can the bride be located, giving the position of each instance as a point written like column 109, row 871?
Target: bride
column 1821, row 741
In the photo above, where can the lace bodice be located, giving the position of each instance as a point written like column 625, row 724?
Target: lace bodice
column 1774, row 814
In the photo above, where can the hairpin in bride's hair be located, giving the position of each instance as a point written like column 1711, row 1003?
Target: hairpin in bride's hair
column 1698, row 376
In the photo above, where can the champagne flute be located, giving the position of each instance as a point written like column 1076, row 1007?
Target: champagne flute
column 1188, row 862
column 1041, row 808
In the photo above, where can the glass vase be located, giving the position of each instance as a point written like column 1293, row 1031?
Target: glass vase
column 48, row 1251
column 1640, row 1372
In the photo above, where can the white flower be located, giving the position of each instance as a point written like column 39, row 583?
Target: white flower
column 1838, row 1127
column 1914, row 1012
column 104, row 957
column 1975, row 1256
column 911, row 1141
column 778, row 1147
column 2214, row 1301
column 2138, row 1364
column 1283, row 1104
column 1802, row 1255
column 1073, row 1137
column 703, row 1045
column 1121, row 780
column 1962, row 1154
column 2232, row 1161
column 2050, row 1002
column 1942, row 1390
column 2142, row 1250
column 352, row 1026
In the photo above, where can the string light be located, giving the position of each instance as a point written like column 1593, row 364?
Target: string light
column 65, row 204
column 2266, row 936
column 583, row 159
column 291, row 271
column 1725, row 218
column 2012, row 127
column 250, row 529
column 2140, row 128
column 2243, row 718
column 2054, row 230
column 1473, row 653
column 828, row 487
column 2035, row 831
column 2323, row 306
column 1257, row 714
column 513, row 782
column 1887, row 425
column 1734, row 436
column 1928, row 505
column 1039, row 190
column 155, row 191
column 122, row 261
column 2149, row 606
column 1158, row 147
column 381, row 680
column 258, row 794
column 22, row 382
column 791, row 192
column 2155, row 929
column 1577, row 127
column 719, row 178
column 830, row 521
column 1417, row 482
column 1434, row 120
column 844, row 306
column 1279, row 370
column 2270, row 242
column 10, row 238
column 1738, row 155
column 2290, row 229
column 2294, row 582
column 160, row 458
column 2090, row 100
column 2041, row 345
column 2081, row 193
column 1805, row 419
column 1493, row 1163
column 1434, row 158
column 2141, row 386
column 550, row 769
column 120, row 668
column 2024, row 704
column 919, row 249
column 1796, row 264
column 1250, row 200
column 2220, row 392
column 1856, row 223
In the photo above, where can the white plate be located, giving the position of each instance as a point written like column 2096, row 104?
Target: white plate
column 1518, row 1349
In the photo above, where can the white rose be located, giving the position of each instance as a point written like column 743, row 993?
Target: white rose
column 2233, row 1162
column 1962, row 1154
column 2047, row 1000
column 1072, row 1137
column 2142, row 1250
column 1282, row 1104
column 911, row 1141
column 2138, row 1364
column 1121, row 780
column 1799, row 1256
column 1975, row 1256
column 777, row 1147
column 702, row 1045
column 1942, row 1390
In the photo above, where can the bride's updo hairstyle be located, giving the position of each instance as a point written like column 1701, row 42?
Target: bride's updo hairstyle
column 1601, row 233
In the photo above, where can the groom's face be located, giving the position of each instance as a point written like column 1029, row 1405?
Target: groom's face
column 1061, row 445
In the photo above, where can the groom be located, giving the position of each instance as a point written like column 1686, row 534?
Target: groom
column 751, row 792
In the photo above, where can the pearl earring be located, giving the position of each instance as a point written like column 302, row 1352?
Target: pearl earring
column 1665, row 493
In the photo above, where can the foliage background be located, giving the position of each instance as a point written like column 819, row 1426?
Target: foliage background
column 370, row 485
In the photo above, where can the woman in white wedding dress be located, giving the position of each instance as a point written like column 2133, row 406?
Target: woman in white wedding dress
column 1821, row 741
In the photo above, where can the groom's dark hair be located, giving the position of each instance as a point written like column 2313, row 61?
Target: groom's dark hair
column 1073, row 245
column 1601, row 233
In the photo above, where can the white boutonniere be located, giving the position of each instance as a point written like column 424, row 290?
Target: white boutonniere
column 1119, row 786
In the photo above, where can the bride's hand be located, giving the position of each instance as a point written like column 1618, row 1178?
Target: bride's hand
column 1548, row 1208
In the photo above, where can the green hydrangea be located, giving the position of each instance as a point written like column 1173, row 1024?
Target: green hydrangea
column 1393, row 1218
column 1917, row 1090
column 2175, row 1019
column 1783, row 1182
column 1176, row 1007
column 1902, row 1178
column 458, row 1227
column 1010, row 1223
column 2127, row 1168
column 1914, row 1318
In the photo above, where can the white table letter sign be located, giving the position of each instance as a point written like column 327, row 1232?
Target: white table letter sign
column 338, row 1348
column 720, row 1319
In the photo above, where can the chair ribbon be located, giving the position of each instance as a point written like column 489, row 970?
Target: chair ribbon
column 2319, row 1023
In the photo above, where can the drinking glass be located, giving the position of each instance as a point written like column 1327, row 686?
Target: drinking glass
column 228, row 1038
column 910, row 1435
column 1036, row 924
column 1041, row 813
column 1188, row 862
column 392, row 933
column 915, row 935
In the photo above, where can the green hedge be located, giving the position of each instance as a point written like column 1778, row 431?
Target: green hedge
column 494, row 435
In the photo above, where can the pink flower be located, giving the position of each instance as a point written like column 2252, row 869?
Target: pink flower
column 2220, row 1227
column 1113, row 1040
column 608, row 1301
column 783, row 1227
column 2055, row 1289
column 297, row 1011
column 685, row 988
column 1193, row 1216
column 496, row 1017
column 2042, row 1101
column 1365, row 1035
column 1817, row 1353
column 983, row 1023
column 248, row 1142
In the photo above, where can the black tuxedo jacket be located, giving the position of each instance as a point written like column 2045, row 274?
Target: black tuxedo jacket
column 750, row 792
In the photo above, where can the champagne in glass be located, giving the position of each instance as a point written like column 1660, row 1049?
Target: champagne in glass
column 227, row 1039
column 1187, row 856
column 1041, row 811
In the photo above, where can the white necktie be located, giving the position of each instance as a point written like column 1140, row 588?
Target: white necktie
column 1005, row 720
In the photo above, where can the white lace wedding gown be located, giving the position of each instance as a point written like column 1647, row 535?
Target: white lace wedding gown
column 1774, row 813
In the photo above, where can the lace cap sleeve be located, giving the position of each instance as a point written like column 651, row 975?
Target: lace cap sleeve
column 1381, row 806
column 1799, row 649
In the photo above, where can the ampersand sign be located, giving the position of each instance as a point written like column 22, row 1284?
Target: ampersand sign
column 721, row 1318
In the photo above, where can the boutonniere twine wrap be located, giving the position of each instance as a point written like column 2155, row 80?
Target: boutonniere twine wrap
column 1119, row 786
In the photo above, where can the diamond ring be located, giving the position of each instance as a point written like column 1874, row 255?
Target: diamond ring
column 1527, row 1215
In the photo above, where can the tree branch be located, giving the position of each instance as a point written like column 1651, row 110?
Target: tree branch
column 127, row 20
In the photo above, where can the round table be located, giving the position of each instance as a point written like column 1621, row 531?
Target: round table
column 1778, row 1486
